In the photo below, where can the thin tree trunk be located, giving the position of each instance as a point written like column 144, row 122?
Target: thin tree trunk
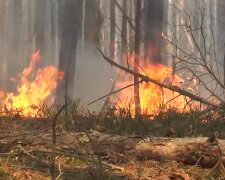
column 224, row 69
column 136, row 60
column 101, row 28
column 124, row 32
column 112, row 28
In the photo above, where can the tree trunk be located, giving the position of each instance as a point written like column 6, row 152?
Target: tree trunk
column 124, row 33
column 153, row 29
column 136, row 59
column 112, row 29
column 39, row 26
column 70, row 16
column 93, row 21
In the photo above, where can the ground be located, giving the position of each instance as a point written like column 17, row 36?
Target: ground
column 26, row 153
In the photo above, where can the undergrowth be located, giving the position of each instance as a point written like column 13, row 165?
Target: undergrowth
column 120, row 120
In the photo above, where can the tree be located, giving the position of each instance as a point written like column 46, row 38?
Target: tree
column 153, row 22
column 70, row 18
column 124, row 31
column 112, row 28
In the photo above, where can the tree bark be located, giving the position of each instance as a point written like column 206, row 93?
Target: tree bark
column 124, row 33
column 70, row 19
column 136, row 59
column 190, row 151
column 112, row 29
column 153, row 29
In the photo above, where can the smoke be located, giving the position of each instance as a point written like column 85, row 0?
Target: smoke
column 26, row 26
column 93, row 75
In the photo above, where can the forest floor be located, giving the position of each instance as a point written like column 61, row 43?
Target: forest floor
column 26, row 152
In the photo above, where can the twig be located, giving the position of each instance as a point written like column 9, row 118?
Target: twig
column 32, row 156
column 54, row 141
column 199, row 159
column 114, row 92
column 108, row 98
column 214, row 167
column 112, row 166
column 60, row 171
column 126, row 16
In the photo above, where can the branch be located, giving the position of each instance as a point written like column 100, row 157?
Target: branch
column 54, row 140
column 114, row 92
column 125, row 15
column 170, row 87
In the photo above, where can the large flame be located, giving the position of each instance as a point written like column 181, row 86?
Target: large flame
column 154, row 98
column 34, row 92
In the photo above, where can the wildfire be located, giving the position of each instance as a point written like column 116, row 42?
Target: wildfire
column 154, row 98
column 34, row 92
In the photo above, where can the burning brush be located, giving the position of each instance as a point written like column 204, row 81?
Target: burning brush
column 31, row 93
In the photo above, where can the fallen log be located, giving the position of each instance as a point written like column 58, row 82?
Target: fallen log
column 190, row 151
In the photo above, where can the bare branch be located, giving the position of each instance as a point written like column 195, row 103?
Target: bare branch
column 114, row 92
column 125, row 15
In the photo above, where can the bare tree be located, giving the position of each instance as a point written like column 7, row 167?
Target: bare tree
column 196, row 51
column 70, row 17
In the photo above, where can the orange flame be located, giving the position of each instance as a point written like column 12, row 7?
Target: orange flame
column 154, row 98
column 32, row 92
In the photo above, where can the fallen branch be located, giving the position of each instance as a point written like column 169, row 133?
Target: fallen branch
column 167, row 86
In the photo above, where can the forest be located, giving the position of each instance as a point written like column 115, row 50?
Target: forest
column 112, row 89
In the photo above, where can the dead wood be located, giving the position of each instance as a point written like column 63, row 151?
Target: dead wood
column 191, row 151
column 113, row 92
column 54, row 140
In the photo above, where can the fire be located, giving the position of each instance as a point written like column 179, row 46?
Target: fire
column 34, row 92
column 154, row 98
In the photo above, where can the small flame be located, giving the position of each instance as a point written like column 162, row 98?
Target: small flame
column 32, row 92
